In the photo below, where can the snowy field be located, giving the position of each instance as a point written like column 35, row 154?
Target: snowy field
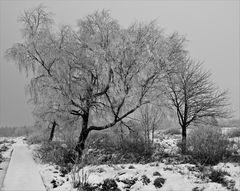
column 141, row 177
column 176, row 175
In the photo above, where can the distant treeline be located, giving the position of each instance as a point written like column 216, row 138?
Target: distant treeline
column 229, row 123
column 15, row 131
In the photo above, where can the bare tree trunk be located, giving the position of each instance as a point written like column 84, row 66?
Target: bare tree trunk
column 121, row 134
column 83, row 136
column 184, row 138
column 148, row 137
column 153, row 130
column 52, row 131
column 145, row 136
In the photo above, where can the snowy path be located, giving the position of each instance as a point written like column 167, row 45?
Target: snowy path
column 22, row 173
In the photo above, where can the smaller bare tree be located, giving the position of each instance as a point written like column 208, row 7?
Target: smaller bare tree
column 151, row 116
column 193, row 96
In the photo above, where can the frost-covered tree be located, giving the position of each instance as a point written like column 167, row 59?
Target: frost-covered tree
column 100, row 71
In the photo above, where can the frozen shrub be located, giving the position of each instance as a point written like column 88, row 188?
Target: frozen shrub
column 109, row 185
column 234, row 133
column 207, row 144
column 102, row 141
column 129, row 182
column 156, row 174
column 198, row 189
column 4, row 148
column 145, row 180
column 136, row 147
column 79, row 176
column 131, row 167
column 56, row 182
column 57, row 153
column 88, row 187
column 133, row 144
column 218, row 176
column 158, row 182
column 106, row 148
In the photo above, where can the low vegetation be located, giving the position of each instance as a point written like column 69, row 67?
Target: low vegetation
column 207, row 144
column 62, row 154
column 234, row 133
column 102, row 148
column 158, row 182
column 218, row 176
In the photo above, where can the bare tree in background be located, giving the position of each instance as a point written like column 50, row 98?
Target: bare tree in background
column 99, row 70
column 48, row 117
column 193, row 96
column 150, row 118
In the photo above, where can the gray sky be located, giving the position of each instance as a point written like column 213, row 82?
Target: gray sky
column 212, row 28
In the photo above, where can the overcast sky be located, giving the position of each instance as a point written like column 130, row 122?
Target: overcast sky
column 212, row 28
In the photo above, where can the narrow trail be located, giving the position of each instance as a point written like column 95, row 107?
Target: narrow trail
column 22, row 173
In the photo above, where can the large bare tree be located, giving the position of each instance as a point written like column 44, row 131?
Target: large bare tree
column 101, row 70
column 193, row 95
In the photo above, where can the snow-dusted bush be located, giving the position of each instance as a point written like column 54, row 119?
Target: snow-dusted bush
column 106, row 148
column 221, row 177
column 218, row 176
column 198, row 188
column 110, row 185
column 59, row 153
column 133, row 144
column 145, row 180
column 106, row 141
column 234, row 133
column 158, row 182
column 207, row 144
column 156, row 173
column 131, row 167
column 79, row 177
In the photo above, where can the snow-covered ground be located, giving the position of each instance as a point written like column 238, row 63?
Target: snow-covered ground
column 141, row 177
column 177, row 177
column 6, row 147
column 9, row 143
